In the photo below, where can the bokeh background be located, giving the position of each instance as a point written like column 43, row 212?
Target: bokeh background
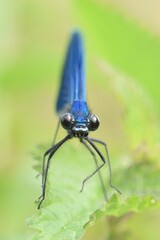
column 33, row 39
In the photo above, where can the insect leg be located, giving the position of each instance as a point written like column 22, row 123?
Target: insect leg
column 53, row 143
column 96, row 163
column 43, row 167
column 102, row 158
column 52, row 152
column 56, row 132
column 108, row 160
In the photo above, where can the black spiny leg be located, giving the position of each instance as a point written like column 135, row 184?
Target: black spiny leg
column 51, row 153
column 43, row 168
column 108, row 160
column 56, row 132
column 44, row 179
column 53, row 143
column 96, row 163
column 102, row 158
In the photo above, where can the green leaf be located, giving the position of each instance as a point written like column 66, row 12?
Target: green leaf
column 65, row 211
column 120, row 206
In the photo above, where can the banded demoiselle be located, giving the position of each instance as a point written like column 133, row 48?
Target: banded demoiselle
column 74, row 114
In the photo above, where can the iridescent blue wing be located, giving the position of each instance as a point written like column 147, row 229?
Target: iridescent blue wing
column 73, row 75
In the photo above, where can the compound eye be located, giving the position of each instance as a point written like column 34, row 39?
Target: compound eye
column 94, row 122
column 67, row 121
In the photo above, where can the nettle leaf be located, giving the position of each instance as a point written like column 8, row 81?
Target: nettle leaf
column 120, row 206
column 66, row 213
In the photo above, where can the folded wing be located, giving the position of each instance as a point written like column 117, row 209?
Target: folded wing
column 72, row 85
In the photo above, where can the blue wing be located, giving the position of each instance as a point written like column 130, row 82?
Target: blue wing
column 73, row 75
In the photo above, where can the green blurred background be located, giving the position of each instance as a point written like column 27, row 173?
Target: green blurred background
column 33, row 39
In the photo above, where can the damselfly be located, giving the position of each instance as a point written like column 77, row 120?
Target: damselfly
column 74, row 114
